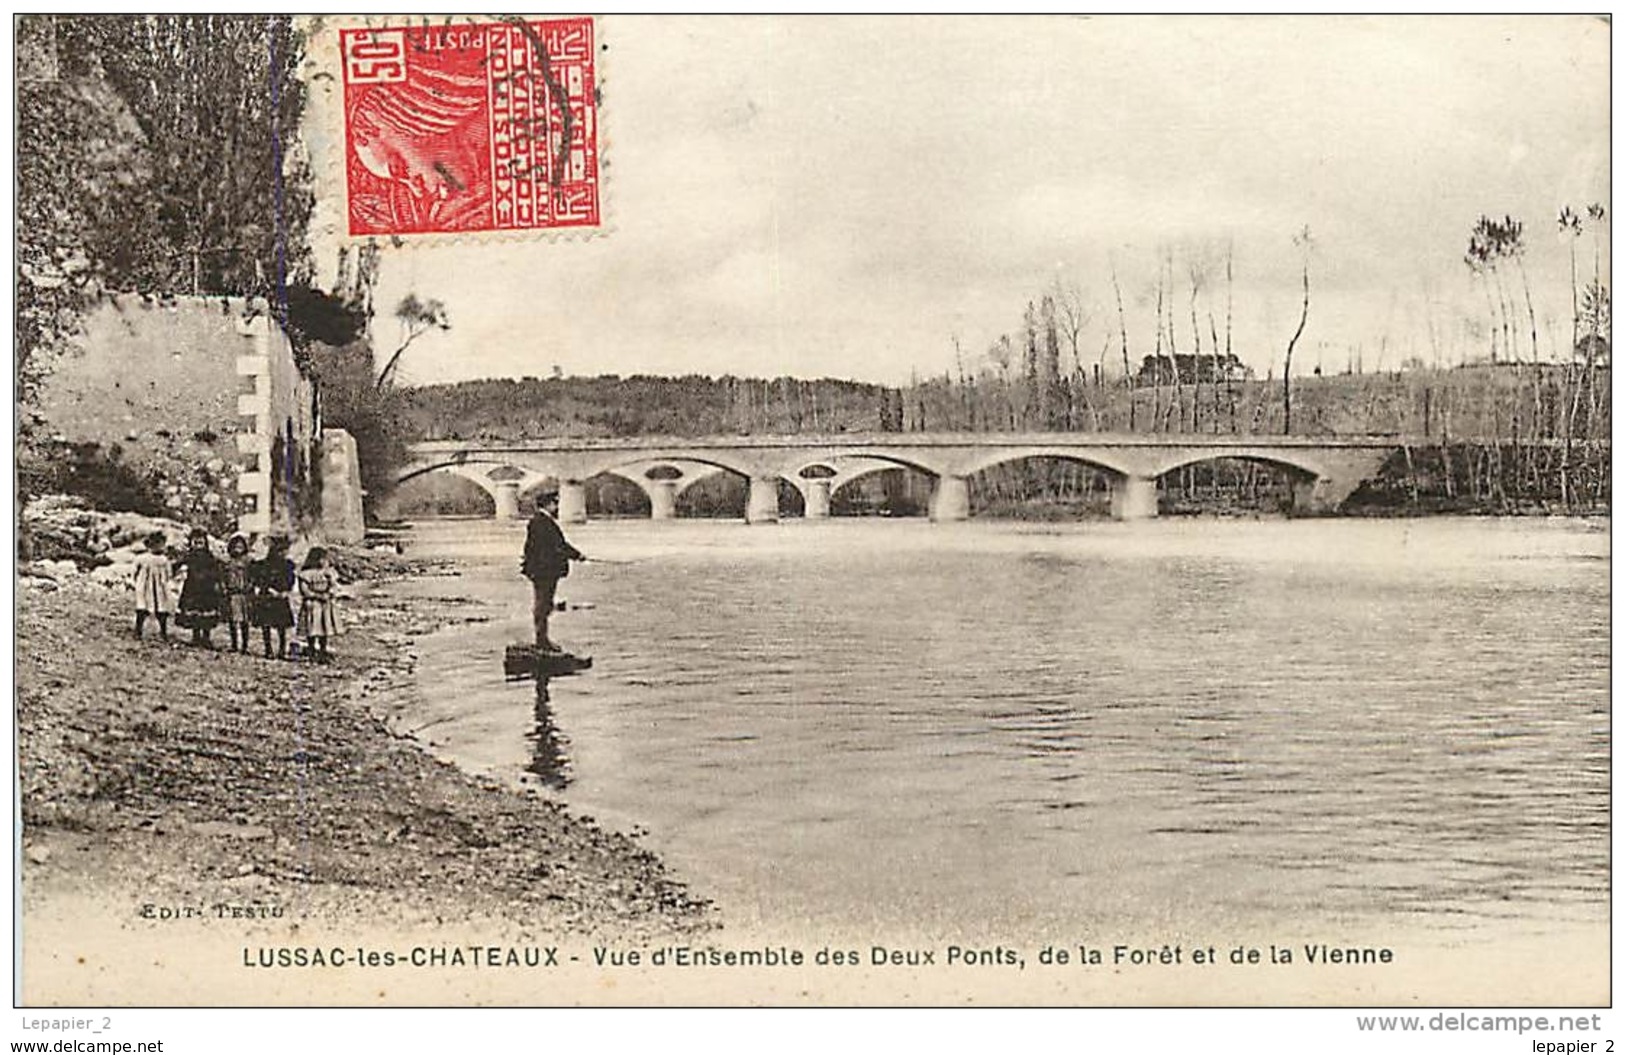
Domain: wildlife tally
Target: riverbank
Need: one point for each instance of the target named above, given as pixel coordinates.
(231, 792)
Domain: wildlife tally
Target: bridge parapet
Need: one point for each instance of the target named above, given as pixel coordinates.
(843, 440)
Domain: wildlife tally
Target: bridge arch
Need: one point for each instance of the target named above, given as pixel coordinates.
(629, 461)
(503, 490)
(1117, 467)
(612, 490)
(664, 480)
(841, 467)
(763, 474)
(1322, 476)
(853, 488)
(440, 493)
(806, 459)
(468, 468)
(682, 472)
(658, 490)
(1300, 463)
(853, 474)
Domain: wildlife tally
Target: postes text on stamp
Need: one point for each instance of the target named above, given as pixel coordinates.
(456, 128)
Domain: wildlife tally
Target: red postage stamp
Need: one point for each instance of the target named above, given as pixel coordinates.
(470, 127)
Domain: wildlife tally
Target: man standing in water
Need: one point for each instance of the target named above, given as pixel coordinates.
(547, 560)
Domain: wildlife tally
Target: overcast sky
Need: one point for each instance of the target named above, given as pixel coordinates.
(844, 197)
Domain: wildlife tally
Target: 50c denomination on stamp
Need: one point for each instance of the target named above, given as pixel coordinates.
(471, 127)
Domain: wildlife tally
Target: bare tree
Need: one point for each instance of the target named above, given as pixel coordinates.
(418, 317)
(967, 407)
(1001, 355)
(1055, 402)
(1305, 245)
(1156, 361)
(1034, 402)
(1229, 316)
(1570, 226)
(1590, 322)
(1176, 402)
(1122, 329)
(1492, 242)
(1514, 248)
(1197, 270)
(1073, 317)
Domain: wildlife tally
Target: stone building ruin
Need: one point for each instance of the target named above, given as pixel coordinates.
(203, 401)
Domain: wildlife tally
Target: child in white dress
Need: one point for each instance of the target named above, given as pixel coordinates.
(154, 593)
(317, 616)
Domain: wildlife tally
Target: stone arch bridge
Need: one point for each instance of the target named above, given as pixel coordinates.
(1326, 470)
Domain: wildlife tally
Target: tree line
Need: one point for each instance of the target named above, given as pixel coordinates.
(640, 405)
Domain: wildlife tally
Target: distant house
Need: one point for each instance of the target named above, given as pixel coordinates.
(1191, 369)
(1593, 348)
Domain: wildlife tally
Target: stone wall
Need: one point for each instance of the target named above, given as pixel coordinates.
(202, 399)
(341, 488)
(282, 486)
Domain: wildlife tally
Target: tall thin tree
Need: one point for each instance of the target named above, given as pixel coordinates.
(1305, 245)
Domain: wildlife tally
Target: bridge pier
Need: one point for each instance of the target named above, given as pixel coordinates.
(662, 499)
(1134, 497)
(817, 499)
(572, 502)
(762, 507)
(507, 500)
(950, 499)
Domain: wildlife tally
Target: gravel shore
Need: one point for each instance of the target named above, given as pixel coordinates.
(157, 774)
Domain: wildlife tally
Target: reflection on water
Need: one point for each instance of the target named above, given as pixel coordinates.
(1070, 729)
(549, 748)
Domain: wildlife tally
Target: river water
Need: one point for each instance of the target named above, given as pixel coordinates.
(1006, 731)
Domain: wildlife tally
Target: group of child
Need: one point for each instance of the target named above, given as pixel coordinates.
(240, 592)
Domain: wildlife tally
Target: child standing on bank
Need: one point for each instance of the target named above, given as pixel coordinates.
(317, 618)
(153, 593)
(201, 596)
(272, 579)
(237, 589)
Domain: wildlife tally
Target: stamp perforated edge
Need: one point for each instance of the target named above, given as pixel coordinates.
(322, 135)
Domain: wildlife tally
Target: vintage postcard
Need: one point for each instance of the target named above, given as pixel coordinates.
(923, 511)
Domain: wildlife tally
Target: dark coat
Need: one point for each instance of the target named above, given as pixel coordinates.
(271, 579)
(201, 592)
(547, 553)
